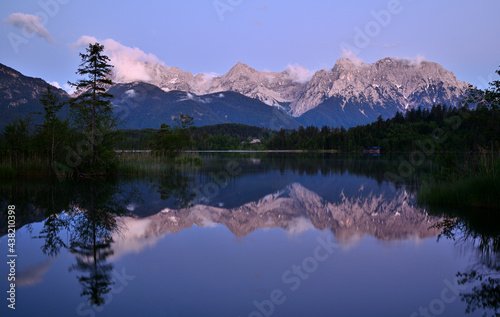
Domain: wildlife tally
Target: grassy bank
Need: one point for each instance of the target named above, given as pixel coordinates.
(147, 163)
(34, 166)
(475, 182)
(129, 163)
(476, 191)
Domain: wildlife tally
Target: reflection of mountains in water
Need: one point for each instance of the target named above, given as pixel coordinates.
(296, 209)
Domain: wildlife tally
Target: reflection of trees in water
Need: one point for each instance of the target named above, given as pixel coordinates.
(87, 211)
(483, 278)
(174, 184)
(93, 220)
(321, 163)
(82, 217)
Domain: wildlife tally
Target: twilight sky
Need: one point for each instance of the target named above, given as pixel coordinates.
(42, 38)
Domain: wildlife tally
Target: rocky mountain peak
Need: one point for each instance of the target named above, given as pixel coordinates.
(395, 81)
(344, 63)
(241, 68)
(369, 90)
(407, 83)
(242, 72)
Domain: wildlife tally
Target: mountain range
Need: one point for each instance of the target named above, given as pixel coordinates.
(350, 94)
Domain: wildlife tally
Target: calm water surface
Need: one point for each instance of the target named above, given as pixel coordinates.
(243, 235)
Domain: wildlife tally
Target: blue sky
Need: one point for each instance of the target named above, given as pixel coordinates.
(211, 36)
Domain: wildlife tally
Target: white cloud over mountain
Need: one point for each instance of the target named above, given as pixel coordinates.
(129, 63)
(299, 73)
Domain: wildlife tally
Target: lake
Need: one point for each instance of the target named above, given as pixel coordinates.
(245, 234)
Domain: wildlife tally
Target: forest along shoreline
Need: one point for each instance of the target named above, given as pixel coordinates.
(90, 144)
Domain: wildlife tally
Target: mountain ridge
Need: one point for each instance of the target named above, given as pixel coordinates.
(404, 81)
(20, 94)
(349, 94)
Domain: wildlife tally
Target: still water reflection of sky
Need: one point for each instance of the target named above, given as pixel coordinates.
(274, 240)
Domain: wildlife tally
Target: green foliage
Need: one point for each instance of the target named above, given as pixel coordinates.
(448, 129)
(148, 163)
(7, 171)
(230, 136)
(93, 112)
(18, 140)
(476, 191)
(136, 139)
(53, 134)
(171, 141)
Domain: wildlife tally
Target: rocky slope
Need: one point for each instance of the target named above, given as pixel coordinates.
(390, 81)
(143, 105)
(19, 96)
(272, 88)
(399, 82)
(349, 94)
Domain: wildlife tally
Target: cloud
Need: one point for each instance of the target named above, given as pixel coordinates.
(203, 82)
(33, 275)
(69, 89)
(350, 55)
(55, 84)
(299, 73)
(299, 226)
(130, 64)
(29, 24)
(189, 96)
(417, 60)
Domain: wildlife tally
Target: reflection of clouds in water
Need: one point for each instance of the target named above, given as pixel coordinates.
(203, 217)
(299, 225)
(33, 274)
(133, 238)
(352, 241)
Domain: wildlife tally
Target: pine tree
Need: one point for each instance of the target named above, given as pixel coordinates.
(92, 108)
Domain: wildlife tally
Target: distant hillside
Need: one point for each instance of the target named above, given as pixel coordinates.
(227, 133)
(143, 105)
(241, 131)
(19, 96)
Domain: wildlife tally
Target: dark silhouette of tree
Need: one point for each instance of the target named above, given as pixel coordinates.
(87, 212)
(170, 141)
(173, 184)
(94, 213)
(92, 108)
(483, 278)
(18, 139)
(53, 130)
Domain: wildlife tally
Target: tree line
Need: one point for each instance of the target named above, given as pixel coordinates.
(85, 143)
(452, 129)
